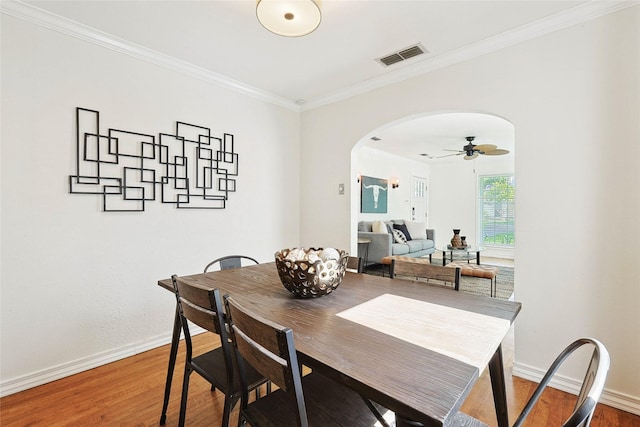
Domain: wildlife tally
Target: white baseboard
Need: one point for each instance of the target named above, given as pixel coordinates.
(44, 376)
(611, 398)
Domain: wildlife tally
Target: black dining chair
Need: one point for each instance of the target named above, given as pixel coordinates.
(422, 270)
(587, 398)
(203, 307)
(590, 391)
(300, 401)
(230, 261)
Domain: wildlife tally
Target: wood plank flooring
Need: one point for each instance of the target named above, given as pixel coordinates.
(129, 393)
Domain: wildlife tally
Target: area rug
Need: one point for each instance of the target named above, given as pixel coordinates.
(472, 285)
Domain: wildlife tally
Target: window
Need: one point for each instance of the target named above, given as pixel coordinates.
(496, 201)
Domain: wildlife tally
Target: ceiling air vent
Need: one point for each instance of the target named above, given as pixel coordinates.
(402, 55)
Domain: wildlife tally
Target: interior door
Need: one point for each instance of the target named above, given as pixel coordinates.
(419, 199)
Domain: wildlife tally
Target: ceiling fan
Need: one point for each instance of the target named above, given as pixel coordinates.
(472, 151)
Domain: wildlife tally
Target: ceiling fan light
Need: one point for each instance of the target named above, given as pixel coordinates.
(289, 18)
(471, 156)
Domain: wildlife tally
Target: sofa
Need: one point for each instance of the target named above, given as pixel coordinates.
(383, 242)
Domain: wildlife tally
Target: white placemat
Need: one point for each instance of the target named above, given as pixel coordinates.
(466, 336)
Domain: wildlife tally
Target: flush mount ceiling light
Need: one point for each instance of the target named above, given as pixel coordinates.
(289, 18)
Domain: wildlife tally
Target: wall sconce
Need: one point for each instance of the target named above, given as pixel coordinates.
(395, 183)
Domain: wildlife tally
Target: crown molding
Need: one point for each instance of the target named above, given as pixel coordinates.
(541, 27)
(72, 28)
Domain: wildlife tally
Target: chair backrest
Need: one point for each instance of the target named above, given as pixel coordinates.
(591, 389)
(202, 307)
(230, 261)
(355, 264)
(426, 271)
(269, 348)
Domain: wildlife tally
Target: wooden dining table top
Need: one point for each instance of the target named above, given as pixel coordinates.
(412, 347)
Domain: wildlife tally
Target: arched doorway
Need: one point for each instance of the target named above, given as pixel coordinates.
(429, 148)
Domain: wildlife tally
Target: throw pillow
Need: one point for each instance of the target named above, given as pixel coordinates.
(364, 226)
(389, 228)
(404, 230)
(418, 230)
(379, 227)
(398, 236)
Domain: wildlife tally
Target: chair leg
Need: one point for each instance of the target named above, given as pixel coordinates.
(267, 387)
(185, 393)
(407, 422)
(228, 404)
(177, 327)
(375, 412)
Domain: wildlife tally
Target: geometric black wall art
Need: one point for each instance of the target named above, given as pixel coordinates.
(189, 168)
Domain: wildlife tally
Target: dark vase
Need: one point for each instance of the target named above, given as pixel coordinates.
(464, 241)
(456, 241)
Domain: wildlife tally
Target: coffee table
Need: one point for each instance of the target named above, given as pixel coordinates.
(466, 253)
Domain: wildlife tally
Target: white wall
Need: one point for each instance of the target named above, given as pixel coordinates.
(453, 197)
(378, 164)
(79, 286)
(574, 99)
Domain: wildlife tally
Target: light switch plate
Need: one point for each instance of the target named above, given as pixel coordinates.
(340, 188)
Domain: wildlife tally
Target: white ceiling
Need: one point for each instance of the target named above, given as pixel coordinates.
(224, 40)
(440, 134)
(225, 37)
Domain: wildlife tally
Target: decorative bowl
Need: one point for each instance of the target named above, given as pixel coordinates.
(311, 273)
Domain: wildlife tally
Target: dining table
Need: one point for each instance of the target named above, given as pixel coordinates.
(412, 347)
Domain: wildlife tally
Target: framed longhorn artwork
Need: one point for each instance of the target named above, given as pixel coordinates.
(373, 195)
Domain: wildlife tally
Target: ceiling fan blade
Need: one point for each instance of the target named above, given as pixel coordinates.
(496, 152)
(485, 147)
(445, 149)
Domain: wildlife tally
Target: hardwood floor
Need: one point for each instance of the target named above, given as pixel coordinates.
(129, 393)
